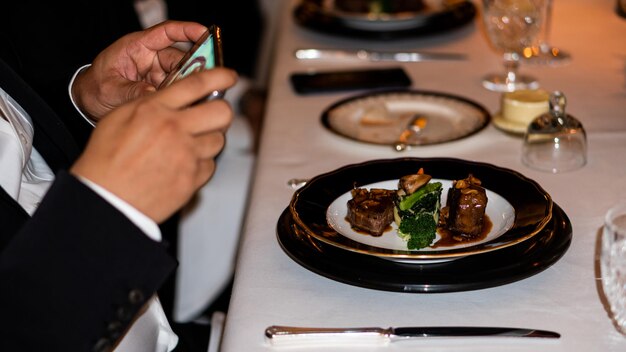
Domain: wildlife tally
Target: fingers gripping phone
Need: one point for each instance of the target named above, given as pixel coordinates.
(205, 54)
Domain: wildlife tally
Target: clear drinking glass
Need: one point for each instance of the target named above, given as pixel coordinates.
(511, 26)
(613, 263)
(555, 141)
(542, 52)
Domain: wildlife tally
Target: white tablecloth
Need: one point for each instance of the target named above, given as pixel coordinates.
(211, 225)
(270, 288)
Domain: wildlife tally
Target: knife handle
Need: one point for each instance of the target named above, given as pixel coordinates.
(290, 335)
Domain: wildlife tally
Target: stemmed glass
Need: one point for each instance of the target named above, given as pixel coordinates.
(512, 26)
(542, 52)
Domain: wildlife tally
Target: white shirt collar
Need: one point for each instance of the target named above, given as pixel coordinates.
(21, 123)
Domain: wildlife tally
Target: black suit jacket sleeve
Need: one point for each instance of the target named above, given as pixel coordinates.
(76, 274)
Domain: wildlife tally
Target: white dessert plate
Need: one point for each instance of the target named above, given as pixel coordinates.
(381, 117)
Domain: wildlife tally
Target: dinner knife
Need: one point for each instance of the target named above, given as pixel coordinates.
(398, 56)
(291, 335)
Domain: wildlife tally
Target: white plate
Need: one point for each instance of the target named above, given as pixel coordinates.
(386, 21)
(380, 118)
(499, 210)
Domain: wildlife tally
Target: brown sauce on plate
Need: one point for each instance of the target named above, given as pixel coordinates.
(448, 238)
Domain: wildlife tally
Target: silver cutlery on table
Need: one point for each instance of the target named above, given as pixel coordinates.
(296, 183)
(369, 55)
(291, 335)
(413, 129)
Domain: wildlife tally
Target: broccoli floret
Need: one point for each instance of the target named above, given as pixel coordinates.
(409, 202)
(428, 203)
(419, 230)
(417, 215)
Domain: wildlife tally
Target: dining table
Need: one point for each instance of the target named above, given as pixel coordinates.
(279, 281)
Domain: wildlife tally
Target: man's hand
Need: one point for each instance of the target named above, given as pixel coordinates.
(156, 151)
(132, 66)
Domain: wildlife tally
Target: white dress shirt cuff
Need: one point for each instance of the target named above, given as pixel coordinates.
(72, 97)
(147, 225)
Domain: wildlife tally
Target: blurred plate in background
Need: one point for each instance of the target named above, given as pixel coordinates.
(435, 16)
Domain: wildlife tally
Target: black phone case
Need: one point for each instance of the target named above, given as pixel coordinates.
(335, 81)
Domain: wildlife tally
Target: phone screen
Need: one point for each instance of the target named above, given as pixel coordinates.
(205, 54)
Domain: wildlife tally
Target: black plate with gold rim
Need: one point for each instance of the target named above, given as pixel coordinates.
(309, 205)
(482, 271)
(314, 15)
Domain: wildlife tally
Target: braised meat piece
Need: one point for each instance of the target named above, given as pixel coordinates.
(465, 208)
(371, 211)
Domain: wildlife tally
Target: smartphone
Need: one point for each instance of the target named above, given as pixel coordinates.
(334, 81)
(205, 54)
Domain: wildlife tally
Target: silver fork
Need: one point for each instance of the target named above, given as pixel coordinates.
(413, 128)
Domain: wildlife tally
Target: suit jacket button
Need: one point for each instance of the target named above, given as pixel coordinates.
(136, 296)
(114, 326)
(124, 314)
(102, 345)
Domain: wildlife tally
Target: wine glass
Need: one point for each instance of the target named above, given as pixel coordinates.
(511, 26)
(542, 52)
(555, 141)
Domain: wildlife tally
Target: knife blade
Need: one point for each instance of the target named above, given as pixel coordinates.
(290, 335)
(367, 55)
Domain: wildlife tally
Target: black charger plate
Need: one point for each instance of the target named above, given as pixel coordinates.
(470, 273)
(309, 14)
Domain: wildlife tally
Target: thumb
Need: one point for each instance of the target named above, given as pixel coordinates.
(139, 89)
